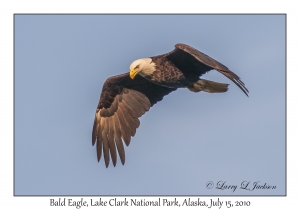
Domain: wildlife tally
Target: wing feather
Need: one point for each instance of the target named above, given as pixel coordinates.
(105, 142)
(140, 99)
(143, 104)
(118, 139)
(111, 140)
(124, 126)
(95, 130)
(129, 121)
(99, 140)
(134, 118)
(139, 110)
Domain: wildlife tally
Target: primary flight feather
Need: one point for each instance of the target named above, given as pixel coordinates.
(126, 97)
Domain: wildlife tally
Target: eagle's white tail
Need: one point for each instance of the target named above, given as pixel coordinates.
(208, 86)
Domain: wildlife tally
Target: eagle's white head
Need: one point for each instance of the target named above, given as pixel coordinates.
(143, 66)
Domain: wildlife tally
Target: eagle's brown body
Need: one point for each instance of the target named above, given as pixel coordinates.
(123, 100)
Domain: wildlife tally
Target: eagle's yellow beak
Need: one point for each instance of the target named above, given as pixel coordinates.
(133, 72)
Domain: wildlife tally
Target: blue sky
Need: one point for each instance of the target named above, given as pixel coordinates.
(184, 141)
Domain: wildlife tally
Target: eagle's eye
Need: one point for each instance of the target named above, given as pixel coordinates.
(137, 67)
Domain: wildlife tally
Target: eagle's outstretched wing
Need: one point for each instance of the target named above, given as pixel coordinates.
(121, 103)
(195, 63)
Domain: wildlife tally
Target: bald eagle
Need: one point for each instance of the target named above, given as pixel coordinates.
(126, 97)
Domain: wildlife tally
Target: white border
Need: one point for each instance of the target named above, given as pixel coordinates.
(8, 8)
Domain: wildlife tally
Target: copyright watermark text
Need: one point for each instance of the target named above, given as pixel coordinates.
(244, 185)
